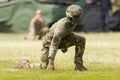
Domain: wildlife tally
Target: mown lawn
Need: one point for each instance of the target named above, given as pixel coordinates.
(102, 58)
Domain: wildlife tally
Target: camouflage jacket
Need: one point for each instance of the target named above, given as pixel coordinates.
(56, 33)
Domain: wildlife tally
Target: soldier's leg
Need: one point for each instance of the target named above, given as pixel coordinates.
(79, 51)
(22, 64)
(25, 64)
(79, 43)
(44, 57)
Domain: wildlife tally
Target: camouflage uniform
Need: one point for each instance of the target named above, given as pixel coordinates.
(23, 64)
(37, 27)
(60, 36)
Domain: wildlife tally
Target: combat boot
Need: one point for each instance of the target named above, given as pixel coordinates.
(50, 66)
(80, 67)
(23, 64)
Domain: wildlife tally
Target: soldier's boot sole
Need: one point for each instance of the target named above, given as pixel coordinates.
(80, 67)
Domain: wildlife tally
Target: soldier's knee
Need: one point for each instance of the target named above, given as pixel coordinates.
(81, 39)
(44, 58)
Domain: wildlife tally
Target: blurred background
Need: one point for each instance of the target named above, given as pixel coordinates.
(15, 15)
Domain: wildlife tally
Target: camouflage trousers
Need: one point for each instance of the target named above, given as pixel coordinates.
(68, 41)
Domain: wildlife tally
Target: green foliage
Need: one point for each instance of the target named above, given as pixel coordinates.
(101, 58)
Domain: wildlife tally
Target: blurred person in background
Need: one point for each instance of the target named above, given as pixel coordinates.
(106, 7)
(106, 11)
(37, 27)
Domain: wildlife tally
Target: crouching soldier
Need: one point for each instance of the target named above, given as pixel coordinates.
(37, 27)
(60, 36)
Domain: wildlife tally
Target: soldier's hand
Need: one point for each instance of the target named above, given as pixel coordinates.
(64, 50)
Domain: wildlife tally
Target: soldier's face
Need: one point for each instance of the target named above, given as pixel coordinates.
(73, 19)
(72, 16)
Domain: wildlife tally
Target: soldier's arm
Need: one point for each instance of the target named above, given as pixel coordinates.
(54, 45)
(32, 26)
(31, 33)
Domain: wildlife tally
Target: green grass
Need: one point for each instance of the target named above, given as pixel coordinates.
(102, 58)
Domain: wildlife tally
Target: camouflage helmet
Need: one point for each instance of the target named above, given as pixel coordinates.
(74, 11)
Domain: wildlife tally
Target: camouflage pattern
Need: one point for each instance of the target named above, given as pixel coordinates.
(25, 63)
(60, 36)
(69, 41)
(37, 26)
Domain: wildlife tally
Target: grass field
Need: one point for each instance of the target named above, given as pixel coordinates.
(102, 58)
